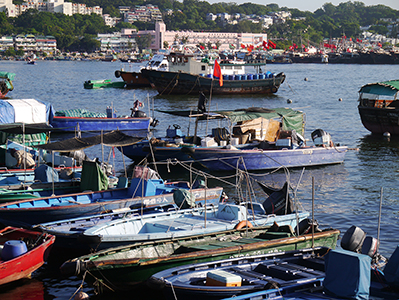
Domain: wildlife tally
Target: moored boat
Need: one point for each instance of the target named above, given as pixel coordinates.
(105, 83)
(82, 120)
(22, 252)
(123, 268)
(379, 107)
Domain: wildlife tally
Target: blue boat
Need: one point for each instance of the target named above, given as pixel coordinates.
(262, 139)
(140, 193)
(82, 120)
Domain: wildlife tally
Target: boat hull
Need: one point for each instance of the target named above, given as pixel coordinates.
(42, 210)
(180, 83)
(23, 265)
(218, 159)
(133, 79)
(380, 120)
(72, 124)
(127, 273)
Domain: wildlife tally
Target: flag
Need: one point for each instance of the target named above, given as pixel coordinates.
(271, 44)
(217, 73)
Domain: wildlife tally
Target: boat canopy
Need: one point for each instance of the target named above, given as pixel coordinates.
(386, 88)
(114, 138)
(290, 119)
(28, 111)
(7, 75)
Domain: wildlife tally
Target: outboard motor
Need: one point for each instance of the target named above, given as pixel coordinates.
(353, 239)
(321, 138)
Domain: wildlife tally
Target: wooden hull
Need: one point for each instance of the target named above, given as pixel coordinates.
(125, 267)
(180, 83)
(72, 124)
(23, 265)
(380, 120)
(42, 210)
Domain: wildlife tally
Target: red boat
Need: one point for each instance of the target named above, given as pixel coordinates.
(22, 252)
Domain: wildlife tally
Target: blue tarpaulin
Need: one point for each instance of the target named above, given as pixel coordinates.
(391, 269)
(25, 110)
(348, 274)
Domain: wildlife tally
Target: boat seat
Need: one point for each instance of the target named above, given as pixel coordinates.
(253, 277)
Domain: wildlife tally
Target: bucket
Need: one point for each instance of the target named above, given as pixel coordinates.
(255, 76)
(237, 77)
(109, 112)
(225, 77)
(250, 76)
(261, 76)
(231, 77)
(223, 143)
(13, 249)
(209, 75)
(244, 77)
(268, 74)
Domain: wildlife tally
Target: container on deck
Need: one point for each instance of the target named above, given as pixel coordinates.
(222, 278)
(13, 249)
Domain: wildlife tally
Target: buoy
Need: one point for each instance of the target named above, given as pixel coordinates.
(306, 79)
(289, 101)
(81, 296)
(243, 224)
(340, 99)
(387, 134)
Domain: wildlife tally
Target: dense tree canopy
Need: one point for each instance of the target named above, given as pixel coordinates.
(78, 31)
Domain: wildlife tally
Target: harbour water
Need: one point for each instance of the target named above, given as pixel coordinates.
(346, 194)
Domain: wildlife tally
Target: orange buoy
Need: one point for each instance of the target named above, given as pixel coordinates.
(243, 224)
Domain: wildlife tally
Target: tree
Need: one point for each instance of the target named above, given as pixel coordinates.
(165, 45)
(143, 41)
(10, 52)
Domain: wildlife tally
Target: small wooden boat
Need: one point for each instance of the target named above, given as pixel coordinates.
(378, 107)
(140, 193)
(22, 252)
(241, 275)
(105, 83)
(123, 268)
(85, 121)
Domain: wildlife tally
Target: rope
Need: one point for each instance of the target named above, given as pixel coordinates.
(195, 83)
(168, 84)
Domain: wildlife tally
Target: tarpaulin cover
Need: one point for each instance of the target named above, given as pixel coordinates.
(25, 111)
(391, 269)
(386, 88)
(184, 198)
(93, 178)
(291, 119)
(45, 173)
(114, 138)
(21, 128)
(348, 274)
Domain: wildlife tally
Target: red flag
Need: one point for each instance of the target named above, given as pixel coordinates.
(273, 45)
(294, 45)
(217, 73)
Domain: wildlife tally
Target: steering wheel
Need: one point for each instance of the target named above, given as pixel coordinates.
(176, 126)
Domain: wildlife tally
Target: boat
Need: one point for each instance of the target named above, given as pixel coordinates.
(74, 120)
(6, 85)
(173, 224)
(22, 252)
(365, 277)
(182, 83)
(262, 139)
(105, 83)
(134, 79)
(241, 275)
(126, 267)
(378, 107)
(142, 192)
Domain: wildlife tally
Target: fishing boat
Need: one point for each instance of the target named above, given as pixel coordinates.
(378, 107)
(365, 277)
(241, 275)
(262, 139)
(182, 83)
(140, 193)
(82, 120)
(22, 252)
(134, 79)
(6, 85)
(123, 268)
(105, 83)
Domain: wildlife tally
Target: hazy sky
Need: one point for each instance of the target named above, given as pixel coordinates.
(311, 5)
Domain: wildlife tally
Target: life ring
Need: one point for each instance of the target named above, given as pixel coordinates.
(243, 224)
(117, 73)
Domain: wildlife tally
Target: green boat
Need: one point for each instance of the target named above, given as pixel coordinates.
(124, 268)
(6, 85)
(105, 83)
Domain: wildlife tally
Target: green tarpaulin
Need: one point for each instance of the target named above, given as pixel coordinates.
(386, 88)
(93, 178)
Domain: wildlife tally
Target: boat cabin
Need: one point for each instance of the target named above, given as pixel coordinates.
(380, 95)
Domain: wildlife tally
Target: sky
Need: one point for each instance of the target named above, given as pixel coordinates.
(311, 5)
